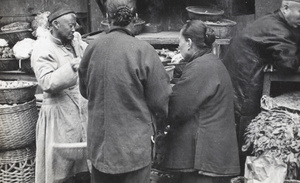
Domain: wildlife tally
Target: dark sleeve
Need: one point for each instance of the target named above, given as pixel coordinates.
(83, 71)
(157, 88)
(196, 86)
(284, 49)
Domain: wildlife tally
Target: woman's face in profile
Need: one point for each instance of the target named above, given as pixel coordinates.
(183, 46)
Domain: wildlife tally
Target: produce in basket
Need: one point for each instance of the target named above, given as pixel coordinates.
(276, 132)
(17, 92)
(16, 26)
(166, 54)
(14, 84)
(6, 52)
(3, 42)
(22, 49)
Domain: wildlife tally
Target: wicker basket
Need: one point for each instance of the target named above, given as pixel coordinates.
(18, 95)
(17, 165)
(223, 28)
(204, 13)
(17, 125)
(8, 64)
(243, 180)
(12, 37)
(12, 64)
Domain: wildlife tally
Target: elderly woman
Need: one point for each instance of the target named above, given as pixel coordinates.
(127, 89)
(202, 140)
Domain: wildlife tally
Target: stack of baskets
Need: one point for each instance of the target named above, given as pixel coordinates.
(213, 18)
(18, 117)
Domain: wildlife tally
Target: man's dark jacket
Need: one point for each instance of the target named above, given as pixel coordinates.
(127, 89)
(268, 40)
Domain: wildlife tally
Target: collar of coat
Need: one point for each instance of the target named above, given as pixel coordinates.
(280, 15)
(199, 54)
(58, 41)
(121, 29)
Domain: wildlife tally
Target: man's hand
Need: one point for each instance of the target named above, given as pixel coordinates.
(75, 63)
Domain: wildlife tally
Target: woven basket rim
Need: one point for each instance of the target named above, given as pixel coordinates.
(225, 23)
(15, 31)
(18, 107)
(26, 153)
(193, 9)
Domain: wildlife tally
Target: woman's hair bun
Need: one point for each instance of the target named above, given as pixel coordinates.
(120, 12)
(209, 36)
(123, 16)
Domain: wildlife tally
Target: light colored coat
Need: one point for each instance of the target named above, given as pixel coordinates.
(63, 112)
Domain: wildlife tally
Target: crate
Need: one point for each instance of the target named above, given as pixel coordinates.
(9, 64)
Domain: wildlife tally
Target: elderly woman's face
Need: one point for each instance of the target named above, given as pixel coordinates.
(292, 14)
(66, 26)
(183, 46)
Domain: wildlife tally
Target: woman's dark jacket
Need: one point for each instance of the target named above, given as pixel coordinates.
(201, 116)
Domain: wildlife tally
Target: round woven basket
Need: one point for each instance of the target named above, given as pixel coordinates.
(17, 165)
(17, 125)
(223, 28)
(18, 95)
(17, 35)
(204, 13)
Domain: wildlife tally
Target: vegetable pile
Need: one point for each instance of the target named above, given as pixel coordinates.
(6, 52)
(276, 132)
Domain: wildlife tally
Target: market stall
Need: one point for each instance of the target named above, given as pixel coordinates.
(158, 24)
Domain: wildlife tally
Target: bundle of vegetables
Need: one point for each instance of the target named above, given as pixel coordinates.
(6, 52)
(277, 133)
(16, 26)
(166, 53)
(22, 49)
